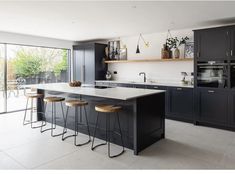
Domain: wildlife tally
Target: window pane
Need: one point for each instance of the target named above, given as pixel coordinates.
(33, 65)
(2, 69)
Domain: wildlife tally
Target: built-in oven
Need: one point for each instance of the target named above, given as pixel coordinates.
(213, 74)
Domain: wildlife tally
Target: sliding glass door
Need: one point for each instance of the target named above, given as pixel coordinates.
(22, 65)
(2, 78)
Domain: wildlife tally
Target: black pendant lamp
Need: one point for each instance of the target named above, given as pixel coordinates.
(137, 49)
(138, 46)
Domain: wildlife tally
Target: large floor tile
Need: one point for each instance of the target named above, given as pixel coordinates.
(85, 159)
(40, 152)
(8, 163)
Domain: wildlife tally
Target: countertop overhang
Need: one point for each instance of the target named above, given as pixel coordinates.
(120, 93)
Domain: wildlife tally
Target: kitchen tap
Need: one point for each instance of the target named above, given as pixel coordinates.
(144, 75)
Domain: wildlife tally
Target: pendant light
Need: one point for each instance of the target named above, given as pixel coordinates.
(138, 46)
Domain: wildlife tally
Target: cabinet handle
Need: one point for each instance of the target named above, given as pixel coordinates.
(155, 87)
(231, 52)
(227, 53)
(198, 54)
(211, 91)
(179, 89)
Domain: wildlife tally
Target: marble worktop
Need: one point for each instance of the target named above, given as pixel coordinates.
(120, 93)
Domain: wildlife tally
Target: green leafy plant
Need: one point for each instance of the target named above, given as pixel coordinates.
(175, 42)
(26, 65)
(62, 65)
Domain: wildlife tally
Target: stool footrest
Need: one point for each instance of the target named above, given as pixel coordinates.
(101, 144)
(47, 129)
(112, 156)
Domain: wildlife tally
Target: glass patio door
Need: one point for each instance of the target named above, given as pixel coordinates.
(3, 101)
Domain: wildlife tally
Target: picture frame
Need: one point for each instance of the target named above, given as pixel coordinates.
(189, 50)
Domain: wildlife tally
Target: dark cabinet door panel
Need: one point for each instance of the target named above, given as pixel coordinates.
(232, 43)
(180, 103)
(232, 109)
(213, 106)
(78, 63)
(89, 65)
(213, 44)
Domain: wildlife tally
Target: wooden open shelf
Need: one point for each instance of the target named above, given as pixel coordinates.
(149, 60)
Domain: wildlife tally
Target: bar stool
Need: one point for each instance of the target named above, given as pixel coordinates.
(53, 100)
(108, 109)
(31, 96)
(81, 104)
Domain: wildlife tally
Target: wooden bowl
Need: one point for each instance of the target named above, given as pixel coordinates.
(75, 84)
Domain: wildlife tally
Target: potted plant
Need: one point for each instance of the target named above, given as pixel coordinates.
(175, 43)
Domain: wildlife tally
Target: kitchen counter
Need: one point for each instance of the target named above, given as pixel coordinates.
(119, 93)
(148, 83)
(142, 117)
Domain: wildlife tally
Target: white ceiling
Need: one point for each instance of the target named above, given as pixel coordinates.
(79, 21)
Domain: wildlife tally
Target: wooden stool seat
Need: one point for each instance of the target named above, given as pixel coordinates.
(107, 108)
(74, 103)
(54, 99)
(34, 95)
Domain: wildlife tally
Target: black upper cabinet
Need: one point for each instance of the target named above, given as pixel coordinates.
(212, 44)
(88, 62)
(212, 106)
(232, 42)
(180, 103)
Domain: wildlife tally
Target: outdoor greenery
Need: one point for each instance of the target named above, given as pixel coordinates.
(62, 65)
(31, 62)
(26, 64)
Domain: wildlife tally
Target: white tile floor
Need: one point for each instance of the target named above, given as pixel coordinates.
(186, 147)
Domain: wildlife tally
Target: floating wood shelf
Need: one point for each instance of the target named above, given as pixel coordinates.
(148, 60)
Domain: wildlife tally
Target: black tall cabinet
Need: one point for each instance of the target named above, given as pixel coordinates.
(215, 106)
(89, 62)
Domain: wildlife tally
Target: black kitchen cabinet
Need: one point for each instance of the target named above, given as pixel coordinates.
(166, 96)
(232, 42)
(232, 108)
(212, 44)
(180, 103)
(88, 62)
(212, 106)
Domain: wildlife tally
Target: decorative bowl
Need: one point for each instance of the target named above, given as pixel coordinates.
(75, 84)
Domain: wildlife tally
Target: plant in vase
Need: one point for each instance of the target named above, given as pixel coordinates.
(175, 43)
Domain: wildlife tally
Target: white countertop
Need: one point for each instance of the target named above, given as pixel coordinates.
(148, 83)
(119, 93)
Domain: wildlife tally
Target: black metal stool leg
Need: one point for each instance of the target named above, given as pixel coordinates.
(92, 146)
(88, 130)
(25, 113)
(44, 120)
(65, 124)
(120, 131)
(54, 120)
(31, 116)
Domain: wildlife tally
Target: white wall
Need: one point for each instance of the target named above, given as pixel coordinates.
(158, 71)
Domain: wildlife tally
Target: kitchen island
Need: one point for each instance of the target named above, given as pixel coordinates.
(142, 117)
